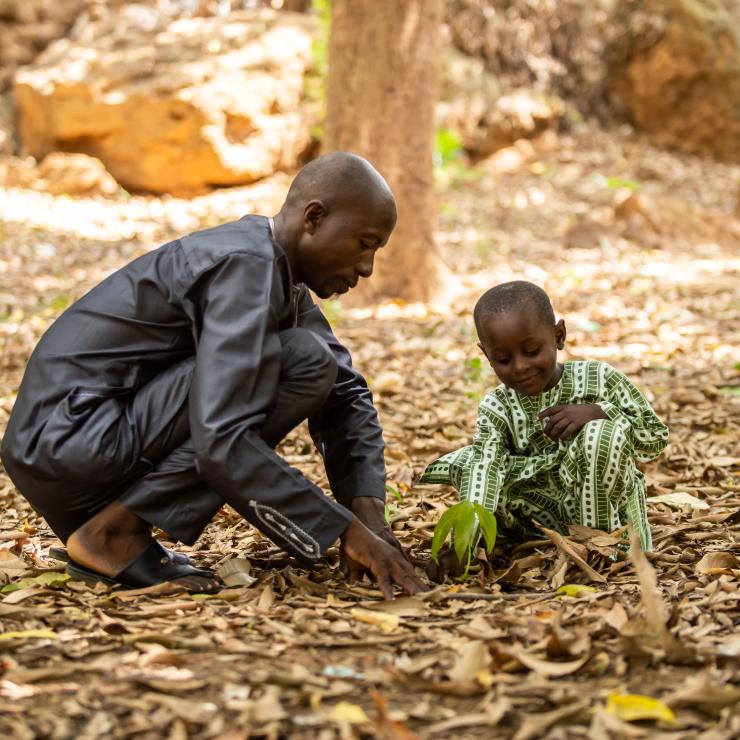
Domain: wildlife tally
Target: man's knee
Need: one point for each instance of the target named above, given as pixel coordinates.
(308, 360)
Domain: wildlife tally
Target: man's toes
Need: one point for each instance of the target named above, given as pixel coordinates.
(199, 584)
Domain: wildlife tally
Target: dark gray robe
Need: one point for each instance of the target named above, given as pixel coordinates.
(177, 357)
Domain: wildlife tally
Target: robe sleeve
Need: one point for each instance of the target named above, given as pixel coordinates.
(625, 402)
(478, 470)
(346, 430)
(234, 386)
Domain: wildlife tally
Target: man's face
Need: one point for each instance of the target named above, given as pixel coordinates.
(522, 348)
(337, 248)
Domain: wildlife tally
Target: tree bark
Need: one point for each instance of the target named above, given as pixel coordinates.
(383, 76)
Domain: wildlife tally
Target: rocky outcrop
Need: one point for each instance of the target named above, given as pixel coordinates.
(553, 46)
(60, 174)
(677, 73)
(28, 26)
(174, 107)
(485, 119)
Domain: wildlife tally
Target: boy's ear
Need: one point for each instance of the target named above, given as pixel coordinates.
(560, 334)
(483, 350)
(313, 214)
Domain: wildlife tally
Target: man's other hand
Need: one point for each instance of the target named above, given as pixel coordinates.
(363, 550)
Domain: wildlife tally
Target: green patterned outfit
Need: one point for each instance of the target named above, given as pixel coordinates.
(519, 474)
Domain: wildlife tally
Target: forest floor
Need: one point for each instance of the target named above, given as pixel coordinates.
(638, 249)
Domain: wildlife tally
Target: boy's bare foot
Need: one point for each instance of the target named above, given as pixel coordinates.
(114, 538)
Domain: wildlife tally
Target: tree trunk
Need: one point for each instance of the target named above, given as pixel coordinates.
(383, 74)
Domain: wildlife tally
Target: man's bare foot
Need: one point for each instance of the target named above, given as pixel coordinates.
(113, 539)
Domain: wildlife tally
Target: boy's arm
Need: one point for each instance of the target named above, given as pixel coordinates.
(625, 401)
(478, 470)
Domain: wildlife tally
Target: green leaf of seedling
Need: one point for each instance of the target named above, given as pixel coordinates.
(394, 491)
(465, 530)
(444, 525)
(488, 526)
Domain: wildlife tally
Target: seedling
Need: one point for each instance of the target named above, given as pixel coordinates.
(467, 522)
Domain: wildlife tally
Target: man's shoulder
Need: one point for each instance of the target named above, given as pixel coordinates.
(249, 235)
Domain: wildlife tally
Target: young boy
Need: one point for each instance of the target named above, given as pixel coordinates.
(555, 442)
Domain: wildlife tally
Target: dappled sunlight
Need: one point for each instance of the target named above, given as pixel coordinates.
(139, 217)
(667, 316)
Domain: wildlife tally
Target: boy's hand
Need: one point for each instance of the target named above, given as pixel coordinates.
(448, 565)
(564, 422)
(371, 512)
(361, 550)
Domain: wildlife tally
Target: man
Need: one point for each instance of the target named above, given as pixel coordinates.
(160, 395)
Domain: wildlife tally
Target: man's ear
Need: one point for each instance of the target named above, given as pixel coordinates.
(560, 334)
(313, 214)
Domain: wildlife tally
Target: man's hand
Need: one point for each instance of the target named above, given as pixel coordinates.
(371, 512)
(361, 549)
(564, 422)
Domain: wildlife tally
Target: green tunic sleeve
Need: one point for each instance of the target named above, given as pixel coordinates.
(625, 401)
(478, 470)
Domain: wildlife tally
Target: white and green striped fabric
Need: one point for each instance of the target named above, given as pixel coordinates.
(519, 474)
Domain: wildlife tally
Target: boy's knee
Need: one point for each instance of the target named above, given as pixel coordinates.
(599, 434)
(308, 358)
(604, 429)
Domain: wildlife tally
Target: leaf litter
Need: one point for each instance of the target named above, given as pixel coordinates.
(560, 636)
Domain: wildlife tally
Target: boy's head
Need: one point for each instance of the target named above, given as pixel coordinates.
(338, 212)
(519, 335)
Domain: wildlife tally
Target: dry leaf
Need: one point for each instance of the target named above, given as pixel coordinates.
(472, 657)
(715, 563)
(549, 667)
(351, 714)
(567, 547)
(236, 572)
(29, 634)
(679, 499)
(386, 622)
(631, 707)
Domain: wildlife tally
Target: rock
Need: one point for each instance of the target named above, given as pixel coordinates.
(658, 220)
(677, 73)
(174, 106)
(28, 26)
(467, 92)
(473, 106)
(522, 114)
(585, 233)
(554, 46)
(62, 174)
(7, 142)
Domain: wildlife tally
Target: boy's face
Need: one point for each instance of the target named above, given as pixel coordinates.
(337, 248)
(522, 348)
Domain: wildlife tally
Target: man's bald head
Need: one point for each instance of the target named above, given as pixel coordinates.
(340, 180)
(338, 213)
